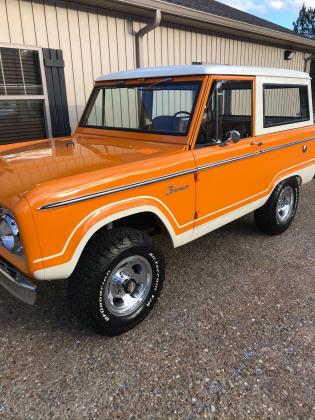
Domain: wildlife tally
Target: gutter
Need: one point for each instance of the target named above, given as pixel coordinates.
(174, 13)
(192, 19)
(140, 34)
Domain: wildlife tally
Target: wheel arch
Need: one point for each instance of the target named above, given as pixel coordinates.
(301, 177)
(294, 178)
(106, 222)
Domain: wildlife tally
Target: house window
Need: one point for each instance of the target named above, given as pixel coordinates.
(285, 104)
(22, 101)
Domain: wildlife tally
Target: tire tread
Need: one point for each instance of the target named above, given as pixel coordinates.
(100, 252)
(265, 217)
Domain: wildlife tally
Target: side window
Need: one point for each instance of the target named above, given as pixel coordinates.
(229, 108)
(285, 104)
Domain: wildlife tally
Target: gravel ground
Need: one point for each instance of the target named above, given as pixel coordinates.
(232, 336)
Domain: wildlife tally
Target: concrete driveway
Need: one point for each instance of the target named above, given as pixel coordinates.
(232, 336)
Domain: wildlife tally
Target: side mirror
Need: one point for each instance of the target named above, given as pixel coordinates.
(233, 136)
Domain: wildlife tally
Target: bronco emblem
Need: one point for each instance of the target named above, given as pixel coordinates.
(172, 189)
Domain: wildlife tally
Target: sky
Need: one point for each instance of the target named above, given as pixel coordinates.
(282, 12)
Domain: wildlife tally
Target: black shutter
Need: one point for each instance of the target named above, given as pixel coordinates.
(57, 95)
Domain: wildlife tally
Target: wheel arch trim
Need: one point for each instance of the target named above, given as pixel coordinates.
(62, 271)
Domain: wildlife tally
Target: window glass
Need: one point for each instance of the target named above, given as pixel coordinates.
(21, 120)
(163, 107)
(285, 105)
(20, 72)
(22, 117)
(31, 72)
(2, 90)
(229, 108)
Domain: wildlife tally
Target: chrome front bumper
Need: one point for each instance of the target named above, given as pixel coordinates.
(17, 284)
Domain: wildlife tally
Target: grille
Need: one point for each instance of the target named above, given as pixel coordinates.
(9, 269)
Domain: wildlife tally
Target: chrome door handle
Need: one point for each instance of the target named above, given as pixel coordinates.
(257, 143)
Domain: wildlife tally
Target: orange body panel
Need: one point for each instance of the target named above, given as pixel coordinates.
(35, 174)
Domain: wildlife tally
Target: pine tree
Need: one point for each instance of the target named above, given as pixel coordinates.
(305, 24)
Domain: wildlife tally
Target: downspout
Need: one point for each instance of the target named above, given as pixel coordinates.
(308, 63)
(140, 34)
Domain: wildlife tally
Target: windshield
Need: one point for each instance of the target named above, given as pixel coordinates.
(164, 107)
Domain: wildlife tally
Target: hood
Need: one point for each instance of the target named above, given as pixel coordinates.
(29, 165)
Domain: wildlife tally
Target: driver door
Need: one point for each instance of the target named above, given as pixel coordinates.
(228, 181)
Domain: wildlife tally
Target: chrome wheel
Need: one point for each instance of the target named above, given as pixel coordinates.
(285, 205)
(128, 286)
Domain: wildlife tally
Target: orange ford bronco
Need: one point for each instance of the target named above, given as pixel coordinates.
(181, 150)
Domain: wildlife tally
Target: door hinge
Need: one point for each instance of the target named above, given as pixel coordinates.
(196, 175)
(196, 215)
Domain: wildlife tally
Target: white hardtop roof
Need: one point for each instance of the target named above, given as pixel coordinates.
(200, 69)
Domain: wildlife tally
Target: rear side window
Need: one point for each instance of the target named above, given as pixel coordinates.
(285, 104)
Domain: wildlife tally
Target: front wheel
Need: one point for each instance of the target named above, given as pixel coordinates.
(117, 281)
(276, 216)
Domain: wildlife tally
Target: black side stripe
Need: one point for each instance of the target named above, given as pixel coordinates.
(170, 176)
(116, 190)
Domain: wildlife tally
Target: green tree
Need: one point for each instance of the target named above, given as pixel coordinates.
(305, 24)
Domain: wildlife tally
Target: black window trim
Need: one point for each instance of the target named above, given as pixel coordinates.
(135, 130)
(286, 85)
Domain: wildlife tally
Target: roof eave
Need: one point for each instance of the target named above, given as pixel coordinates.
(177, 14)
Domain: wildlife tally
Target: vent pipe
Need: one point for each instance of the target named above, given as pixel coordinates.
(140, 34)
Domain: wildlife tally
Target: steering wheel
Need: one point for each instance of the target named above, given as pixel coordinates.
(188, 114)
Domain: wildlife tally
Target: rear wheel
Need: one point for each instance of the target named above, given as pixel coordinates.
(276, 216)
(118, 280)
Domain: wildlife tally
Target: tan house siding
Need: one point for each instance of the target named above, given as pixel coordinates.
(94, 43)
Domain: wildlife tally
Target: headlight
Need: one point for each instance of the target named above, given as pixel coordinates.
(9, 233)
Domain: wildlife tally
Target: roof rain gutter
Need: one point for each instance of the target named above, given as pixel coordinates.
(140, 34)
(192, 19)
(196, 19)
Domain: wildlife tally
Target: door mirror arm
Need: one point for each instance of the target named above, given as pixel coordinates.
(233, 136)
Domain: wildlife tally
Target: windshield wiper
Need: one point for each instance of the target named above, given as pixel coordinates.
(168, 79)
(117, 85)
